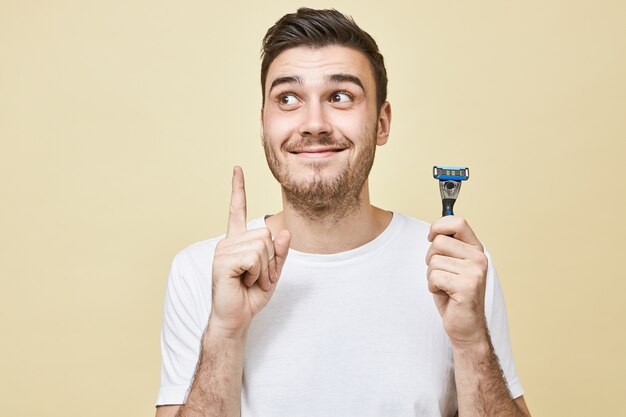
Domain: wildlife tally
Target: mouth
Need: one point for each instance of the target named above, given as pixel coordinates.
(321, 152)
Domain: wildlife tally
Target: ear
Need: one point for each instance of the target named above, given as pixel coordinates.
(384, 124)
(261, 125)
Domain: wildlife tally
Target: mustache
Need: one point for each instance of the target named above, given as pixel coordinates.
(308, 142)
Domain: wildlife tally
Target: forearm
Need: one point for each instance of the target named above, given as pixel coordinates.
(216, 388)
(480, 383)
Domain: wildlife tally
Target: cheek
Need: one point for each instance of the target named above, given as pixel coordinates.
(279, 127)
(351, 126)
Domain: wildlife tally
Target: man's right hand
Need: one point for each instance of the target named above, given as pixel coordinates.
(246, 267)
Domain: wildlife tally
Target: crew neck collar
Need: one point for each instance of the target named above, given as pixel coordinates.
(358, 252)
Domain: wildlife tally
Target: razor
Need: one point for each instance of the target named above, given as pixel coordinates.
(450, 179)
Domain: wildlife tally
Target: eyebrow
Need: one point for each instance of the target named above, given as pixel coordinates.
(337, 78)
(347, 77)
(289, 79)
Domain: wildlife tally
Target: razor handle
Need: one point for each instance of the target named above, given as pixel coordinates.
(448, 206)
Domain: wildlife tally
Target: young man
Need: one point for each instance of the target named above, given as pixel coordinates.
(326, 308)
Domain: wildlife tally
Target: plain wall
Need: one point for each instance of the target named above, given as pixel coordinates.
(120, 122)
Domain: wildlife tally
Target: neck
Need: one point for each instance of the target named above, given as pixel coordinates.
(337, 231)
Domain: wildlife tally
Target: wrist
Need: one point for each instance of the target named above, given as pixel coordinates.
(472, 335)
(479, 347)
(216, 330)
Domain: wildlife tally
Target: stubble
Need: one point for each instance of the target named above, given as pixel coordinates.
(318, 196)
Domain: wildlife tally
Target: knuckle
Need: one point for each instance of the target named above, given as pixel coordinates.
(435, 275)
(459, 222)
(436, 260)
(258, 259)
(265, 233)
(438, 241)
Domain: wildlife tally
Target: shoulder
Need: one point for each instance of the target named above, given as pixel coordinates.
(190, 272)
(407, 232)
(411, 225)
(196, 255)
(412, 221)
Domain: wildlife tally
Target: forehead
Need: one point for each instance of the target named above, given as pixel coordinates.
(316, 64)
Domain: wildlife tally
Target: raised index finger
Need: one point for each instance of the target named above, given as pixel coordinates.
(237, 212)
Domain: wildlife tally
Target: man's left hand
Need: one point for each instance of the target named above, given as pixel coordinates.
(457, 271)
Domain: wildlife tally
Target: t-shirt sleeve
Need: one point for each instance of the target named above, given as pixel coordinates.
(180, 333)
(495, 312)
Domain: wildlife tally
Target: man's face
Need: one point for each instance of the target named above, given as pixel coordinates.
(320, 124)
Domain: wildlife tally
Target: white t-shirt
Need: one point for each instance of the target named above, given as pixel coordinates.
(355, 333)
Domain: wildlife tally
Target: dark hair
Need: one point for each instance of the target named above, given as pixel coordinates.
(318, 28)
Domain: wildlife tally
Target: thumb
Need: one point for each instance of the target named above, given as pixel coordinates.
(281, 249)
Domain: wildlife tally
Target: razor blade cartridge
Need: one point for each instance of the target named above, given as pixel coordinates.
(451, 173)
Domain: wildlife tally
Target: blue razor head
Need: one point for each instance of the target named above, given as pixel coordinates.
(450, 173)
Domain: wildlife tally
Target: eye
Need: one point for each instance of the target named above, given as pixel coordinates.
(341, 97)
(287, 99)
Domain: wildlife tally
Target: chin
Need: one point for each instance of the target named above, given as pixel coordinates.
(314, 175)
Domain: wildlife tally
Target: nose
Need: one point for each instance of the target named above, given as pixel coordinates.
(315, 121)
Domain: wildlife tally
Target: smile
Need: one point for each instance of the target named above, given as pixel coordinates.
(317, 152)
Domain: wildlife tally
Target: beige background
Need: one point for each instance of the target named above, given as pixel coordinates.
(120, 122)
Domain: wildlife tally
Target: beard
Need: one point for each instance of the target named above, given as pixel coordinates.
(318, 196)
